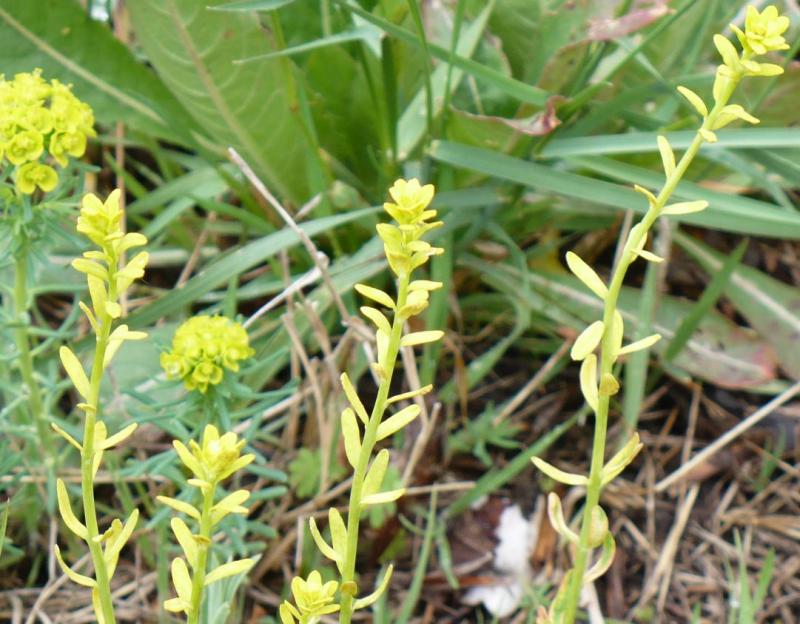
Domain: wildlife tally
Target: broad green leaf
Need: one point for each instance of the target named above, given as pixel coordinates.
(484, 73)
(244, 106)
(770, 306)
(60, 38)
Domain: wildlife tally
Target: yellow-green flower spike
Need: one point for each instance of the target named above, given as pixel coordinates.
(212, 461)
(107, 277)
(203, 348)
(405, 252)
(763, 33)
(41, 121)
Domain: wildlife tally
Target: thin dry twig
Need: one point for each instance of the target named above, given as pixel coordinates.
(319, 258)
(728, 437)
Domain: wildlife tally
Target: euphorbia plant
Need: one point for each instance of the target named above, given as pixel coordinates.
(405, 252)
(762, 34)
(42, 127)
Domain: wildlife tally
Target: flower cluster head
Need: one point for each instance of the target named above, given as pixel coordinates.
(215, 458)
(313, 599)
(763, 32)
(404, 248)
(41, 119)
(203, 347)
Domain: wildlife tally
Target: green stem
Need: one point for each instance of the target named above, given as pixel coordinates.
(87, 469)
(25, 359)
(348, 585)
(608, 357)
(199, 578)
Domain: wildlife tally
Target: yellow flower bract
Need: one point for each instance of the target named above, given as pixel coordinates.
(40, 117)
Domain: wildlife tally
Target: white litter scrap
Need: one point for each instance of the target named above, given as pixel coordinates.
(516, 538)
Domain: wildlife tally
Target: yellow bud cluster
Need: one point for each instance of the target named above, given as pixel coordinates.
(202, 348)
(404, 248)
(40, 118)
(101, 222)
(212, 461)
(312, 598)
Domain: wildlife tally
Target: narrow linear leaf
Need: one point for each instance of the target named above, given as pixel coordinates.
(588, 379)
(682, 208)
(422, 337)
(242, 566)
(323, 546)
(695, 100)
(644, 343)
(382, 497)
(588, 340)
(75, 371)
(667, 155)
(352, 436)
(555, 513)
(352, 397)
(64, 506)
(394, 423)
(376, 295)
(567, 478)
(586, 274)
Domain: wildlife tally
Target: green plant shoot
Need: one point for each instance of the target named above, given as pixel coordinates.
(108, 277)
(763, 33)
(405, 252)
(211, 462)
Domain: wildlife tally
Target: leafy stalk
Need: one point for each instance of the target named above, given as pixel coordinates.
(107, 278)
(378, 410)
(25, 361)
(405, 252)
(762, 34)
